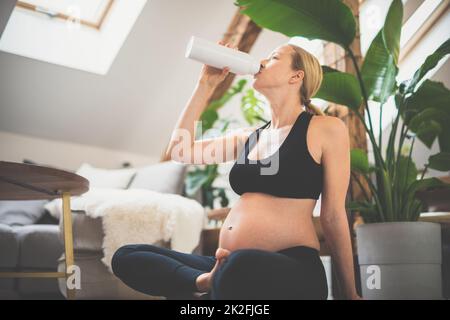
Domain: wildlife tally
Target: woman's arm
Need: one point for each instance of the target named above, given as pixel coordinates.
(333, 216)
(183, 136)
(183, 146)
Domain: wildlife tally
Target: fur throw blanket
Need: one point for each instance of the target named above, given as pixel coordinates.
(131, 216)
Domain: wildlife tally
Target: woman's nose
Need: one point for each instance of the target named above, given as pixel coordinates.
(262, 65)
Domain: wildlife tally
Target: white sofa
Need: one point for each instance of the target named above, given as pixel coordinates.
(97, 282)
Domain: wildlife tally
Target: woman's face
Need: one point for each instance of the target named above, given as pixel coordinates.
(276, 71)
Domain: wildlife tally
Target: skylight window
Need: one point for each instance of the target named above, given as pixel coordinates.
(80, 34)
(86, 12)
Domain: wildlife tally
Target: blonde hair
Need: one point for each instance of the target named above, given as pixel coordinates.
(303, 60)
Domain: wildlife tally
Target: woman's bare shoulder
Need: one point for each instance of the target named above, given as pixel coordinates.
(328, 124)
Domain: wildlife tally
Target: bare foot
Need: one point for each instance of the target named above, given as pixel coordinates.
(203, 281)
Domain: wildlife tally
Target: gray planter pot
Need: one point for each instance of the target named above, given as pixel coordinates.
(400, 260)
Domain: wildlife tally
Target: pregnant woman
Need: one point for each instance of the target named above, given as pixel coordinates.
(268, 247)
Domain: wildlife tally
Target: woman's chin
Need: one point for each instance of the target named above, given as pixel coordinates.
(256, 84)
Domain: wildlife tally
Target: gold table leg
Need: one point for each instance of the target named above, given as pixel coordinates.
(68, 250)
(68, 241)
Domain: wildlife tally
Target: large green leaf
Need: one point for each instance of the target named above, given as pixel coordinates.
(444, 139)
(424, 184)
(431, 95)
(200, 178)
(379, 68)
(420, 185)
(426, 115)
(440, 161)
(194, 180)
(392, 28)
(207, 118)
(379, 71)
(340, 87)
(406, 174)
(359, 161)
(329, 20)
(409, 201)
(251, 107)
(430, 62)
(210, 115)
(428, 131)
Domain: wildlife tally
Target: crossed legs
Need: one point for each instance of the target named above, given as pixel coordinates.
(245, 274)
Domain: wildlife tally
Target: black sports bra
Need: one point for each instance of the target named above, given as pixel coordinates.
(290, 172)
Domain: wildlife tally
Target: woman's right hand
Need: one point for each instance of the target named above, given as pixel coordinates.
(212, 76)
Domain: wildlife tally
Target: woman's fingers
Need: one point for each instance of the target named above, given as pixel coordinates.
(227, 44)
(222, 253)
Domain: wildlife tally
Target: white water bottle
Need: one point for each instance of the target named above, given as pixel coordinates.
(219, 56)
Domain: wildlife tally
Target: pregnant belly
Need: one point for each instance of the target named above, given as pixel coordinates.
(261, 221)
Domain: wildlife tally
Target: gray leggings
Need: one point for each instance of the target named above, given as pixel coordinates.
(289, 274)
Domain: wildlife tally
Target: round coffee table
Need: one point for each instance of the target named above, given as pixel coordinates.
(20, 181)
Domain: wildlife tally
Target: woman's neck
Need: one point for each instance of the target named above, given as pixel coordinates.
(286, 116)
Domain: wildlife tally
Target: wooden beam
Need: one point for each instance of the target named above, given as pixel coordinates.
(241, 32)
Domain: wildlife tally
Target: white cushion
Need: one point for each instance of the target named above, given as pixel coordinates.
(106, 178)
(165, 177)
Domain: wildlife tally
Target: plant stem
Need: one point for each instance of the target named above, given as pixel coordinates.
(378, 158)
(381, 128)
(403, 134)
(361, 84)
(405, 185)
(424, 170)
(390, 150)
(402, 138)
(360, 185)
(375, 196)
(417, 211)
(377, 153)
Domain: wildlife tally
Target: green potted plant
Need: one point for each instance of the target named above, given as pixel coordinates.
(399, 257)
(201, 178)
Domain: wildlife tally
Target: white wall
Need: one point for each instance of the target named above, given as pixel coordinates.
(133, 108)
(64, 155)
